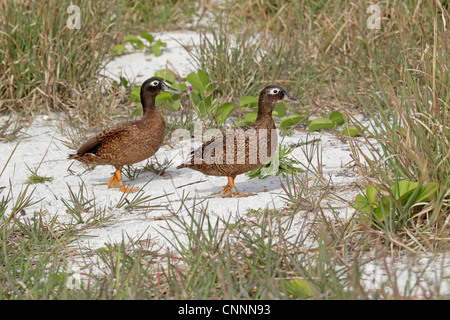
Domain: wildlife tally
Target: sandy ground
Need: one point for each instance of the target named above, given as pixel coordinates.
(177, 191)
(139, 66)
(42, 147)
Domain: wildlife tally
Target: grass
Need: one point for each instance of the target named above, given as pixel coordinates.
(35, 178)
(414, 140)
(321, 52)
(10, 130)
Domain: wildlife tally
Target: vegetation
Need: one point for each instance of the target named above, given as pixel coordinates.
(321, 52)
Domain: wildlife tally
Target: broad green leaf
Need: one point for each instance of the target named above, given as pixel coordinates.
(248, 101)
(350, 131)
(337, 117)
(148, 37)
(176, 105)
(372, 194)
(427, 193)
(250, 117)
(321, 123)
(135, 41)
(379, 212)
(135, 94)
(291, 120)
(161, 44)
(299, 288)
(156, 49)
(205, 81)
(179, 86)
(195, 97)
(403, 189)
(166, 75)
(204, 106)
(131, 38)
(361, 203)
(164, 96)
(279, 164)
(280, 109)
(118, 49)
(224, 111)
(196, 83)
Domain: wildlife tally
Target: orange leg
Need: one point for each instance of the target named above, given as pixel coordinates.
(116, 182)
(227, 190)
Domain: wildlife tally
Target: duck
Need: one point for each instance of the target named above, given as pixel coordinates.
(128, 142)
(243, 148)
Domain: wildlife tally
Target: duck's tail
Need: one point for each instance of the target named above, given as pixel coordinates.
(184, 165)
(85, 158)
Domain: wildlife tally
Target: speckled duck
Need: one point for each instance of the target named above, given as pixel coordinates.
(268, 98)
(129, 142)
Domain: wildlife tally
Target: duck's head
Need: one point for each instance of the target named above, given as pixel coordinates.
(155, 86)
(270, 96)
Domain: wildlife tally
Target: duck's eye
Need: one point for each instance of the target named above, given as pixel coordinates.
(274, 91)
(154, 83)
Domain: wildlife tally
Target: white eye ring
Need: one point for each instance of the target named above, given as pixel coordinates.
(274, 91)
(154, 83)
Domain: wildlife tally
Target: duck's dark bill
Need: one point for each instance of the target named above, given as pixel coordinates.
(170, 89)
(288, 98)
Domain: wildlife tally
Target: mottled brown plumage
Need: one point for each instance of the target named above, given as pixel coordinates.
(130, 142)
(249, 147)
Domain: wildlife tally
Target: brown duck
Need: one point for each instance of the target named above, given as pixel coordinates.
(129, 142)
(244, 148)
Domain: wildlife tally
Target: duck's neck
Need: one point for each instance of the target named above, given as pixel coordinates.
(148, 103)
(264, 111)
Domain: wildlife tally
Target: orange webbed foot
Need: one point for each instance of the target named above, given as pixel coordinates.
(228, 190)
(128, 190)
(116, 182)
(245, 195)
(227, 193)
(113, 182)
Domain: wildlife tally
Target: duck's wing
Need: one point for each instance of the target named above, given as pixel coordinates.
(113, 135)
(90, 146)
(212, 143)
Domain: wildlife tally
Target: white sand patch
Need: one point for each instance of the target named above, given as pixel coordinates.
(139, 66)
(42, 147)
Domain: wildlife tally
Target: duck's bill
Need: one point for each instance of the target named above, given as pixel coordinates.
(288, 98)
(171, 90)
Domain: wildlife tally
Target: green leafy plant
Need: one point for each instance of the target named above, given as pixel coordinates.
(138, 201)
(83, 208)
(158, 168)
(335, 120)
(280, 163)
(197, 86)
(402, 195)
(298, 288)
(151, 44)
(35, 178)
(292, 120)
(131, 172)
(201, 94)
